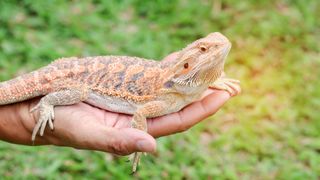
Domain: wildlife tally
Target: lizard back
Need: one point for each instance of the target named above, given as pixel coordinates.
(131, 78)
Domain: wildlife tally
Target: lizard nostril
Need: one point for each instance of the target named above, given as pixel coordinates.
(186, 65)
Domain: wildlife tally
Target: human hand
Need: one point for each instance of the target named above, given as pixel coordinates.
(85, 127)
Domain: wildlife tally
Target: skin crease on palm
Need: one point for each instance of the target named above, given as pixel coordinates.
(85, 127)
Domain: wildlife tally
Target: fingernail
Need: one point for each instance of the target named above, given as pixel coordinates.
(145, 146)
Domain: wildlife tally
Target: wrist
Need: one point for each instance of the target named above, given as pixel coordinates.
(16, 123)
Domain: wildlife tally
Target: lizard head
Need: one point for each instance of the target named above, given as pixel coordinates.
(202, 61)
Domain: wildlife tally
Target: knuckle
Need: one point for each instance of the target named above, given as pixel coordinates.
(120, 148)
(182, 125)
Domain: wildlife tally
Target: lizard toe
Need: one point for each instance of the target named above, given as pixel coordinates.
(36, 107)
(46, 114)
(136, 160)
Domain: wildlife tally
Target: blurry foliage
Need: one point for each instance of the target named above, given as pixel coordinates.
(271, 131)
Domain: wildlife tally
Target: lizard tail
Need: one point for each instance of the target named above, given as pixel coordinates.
(22, 88)
(36, 83)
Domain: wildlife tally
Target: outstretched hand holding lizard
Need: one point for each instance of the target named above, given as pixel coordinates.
(85, 127)
(123, 84)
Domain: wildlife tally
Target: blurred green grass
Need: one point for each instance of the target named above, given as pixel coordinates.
(271, 131)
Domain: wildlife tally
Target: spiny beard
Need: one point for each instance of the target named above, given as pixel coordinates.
(200, 78)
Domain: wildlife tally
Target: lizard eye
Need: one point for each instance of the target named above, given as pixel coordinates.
(203, 48)
(186, 65)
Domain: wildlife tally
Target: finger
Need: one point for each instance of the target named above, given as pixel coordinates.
(90, 132)
(131, 140)
(189, 116)
(117, 141)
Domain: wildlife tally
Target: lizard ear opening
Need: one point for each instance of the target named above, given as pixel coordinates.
(203, 48)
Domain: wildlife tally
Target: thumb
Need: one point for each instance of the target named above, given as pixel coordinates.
(129, 140)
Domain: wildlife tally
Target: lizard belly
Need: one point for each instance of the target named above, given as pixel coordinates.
(113, 104)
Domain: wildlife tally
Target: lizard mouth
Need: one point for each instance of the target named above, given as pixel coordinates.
(201, 78)
(225, 51)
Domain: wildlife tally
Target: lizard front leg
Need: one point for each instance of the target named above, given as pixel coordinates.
(47, 103)
(227, 84)
(151, 109)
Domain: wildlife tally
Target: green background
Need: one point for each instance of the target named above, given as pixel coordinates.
(270, 131)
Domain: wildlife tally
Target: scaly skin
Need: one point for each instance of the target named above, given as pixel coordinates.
(124, 84)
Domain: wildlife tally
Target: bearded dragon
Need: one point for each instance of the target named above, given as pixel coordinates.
(131, 85)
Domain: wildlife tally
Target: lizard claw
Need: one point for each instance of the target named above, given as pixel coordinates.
(50, 121)
(46, 117)
(136, 160)
(232, 86)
